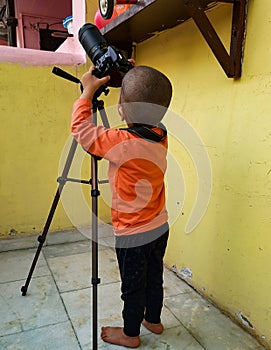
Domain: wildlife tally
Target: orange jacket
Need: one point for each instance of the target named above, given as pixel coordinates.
(136, 171)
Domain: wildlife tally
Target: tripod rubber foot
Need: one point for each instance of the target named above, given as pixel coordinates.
(23, 290)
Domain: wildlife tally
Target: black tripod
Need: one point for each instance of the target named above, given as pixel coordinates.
(95, 280)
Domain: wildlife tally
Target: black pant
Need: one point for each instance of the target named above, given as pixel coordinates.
(141, 269)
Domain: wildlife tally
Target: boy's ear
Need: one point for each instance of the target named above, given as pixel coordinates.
(120, 110)
(121, 113)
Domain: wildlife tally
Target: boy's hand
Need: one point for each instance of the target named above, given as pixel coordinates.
(132, 61)
(91, 83)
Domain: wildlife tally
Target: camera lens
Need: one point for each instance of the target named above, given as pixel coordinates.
(92, 41)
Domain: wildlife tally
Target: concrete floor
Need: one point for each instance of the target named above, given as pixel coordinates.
(56, 312)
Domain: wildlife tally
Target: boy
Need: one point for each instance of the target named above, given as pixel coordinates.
(137, 164)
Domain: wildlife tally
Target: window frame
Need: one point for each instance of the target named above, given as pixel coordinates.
(69, 53)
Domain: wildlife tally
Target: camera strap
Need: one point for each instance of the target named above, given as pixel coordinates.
(147, 133)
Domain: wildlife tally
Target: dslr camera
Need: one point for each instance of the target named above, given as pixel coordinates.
(106, 59)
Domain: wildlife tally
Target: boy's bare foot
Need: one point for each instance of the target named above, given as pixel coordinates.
(115, 335)
(156, 328)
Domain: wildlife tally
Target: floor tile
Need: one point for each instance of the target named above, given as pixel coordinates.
(104, 230)
(56, 313)
(10, 244)
(209, 326)
(174, 338)
(41, 306)
(108, 242)
(52, 238)
(73, 272)
(173, 285)
(55, 337)
(15, 265)
(64, 237)
(53, 251)
(79, 308)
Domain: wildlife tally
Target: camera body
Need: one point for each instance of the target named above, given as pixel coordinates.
(107, 59)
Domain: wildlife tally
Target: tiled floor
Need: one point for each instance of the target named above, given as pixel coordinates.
(56, 312)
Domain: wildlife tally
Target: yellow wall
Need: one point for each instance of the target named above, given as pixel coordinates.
(35, 108)
(229, 251)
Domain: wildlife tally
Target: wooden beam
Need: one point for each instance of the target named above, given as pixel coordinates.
(230, 62)
(210, 35)
(238, 36)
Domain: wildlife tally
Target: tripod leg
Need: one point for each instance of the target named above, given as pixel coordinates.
(42, 237)
(95, 279)
(103, 114)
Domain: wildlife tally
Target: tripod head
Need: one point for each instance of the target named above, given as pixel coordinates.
(61, 73)
(96, 104)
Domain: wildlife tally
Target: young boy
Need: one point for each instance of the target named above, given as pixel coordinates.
(137, 164)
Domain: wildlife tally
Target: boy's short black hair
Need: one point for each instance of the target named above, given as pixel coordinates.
(145, 95)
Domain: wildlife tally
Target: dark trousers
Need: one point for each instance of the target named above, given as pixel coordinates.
(141, 270)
